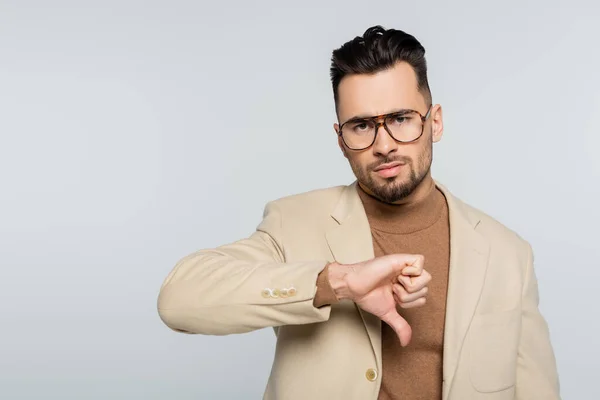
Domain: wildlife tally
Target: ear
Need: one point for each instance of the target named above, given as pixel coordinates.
(336, 128)
(437, 123)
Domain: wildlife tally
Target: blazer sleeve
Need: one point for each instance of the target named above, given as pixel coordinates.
(242, 286)
(537, 376)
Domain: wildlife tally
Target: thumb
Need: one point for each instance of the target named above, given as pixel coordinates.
(399, 325)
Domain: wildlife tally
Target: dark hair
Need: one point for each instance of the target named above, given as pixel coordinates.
(379, 49)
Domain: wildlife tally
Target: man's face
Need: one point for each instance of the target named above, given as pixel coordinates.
(381, 93)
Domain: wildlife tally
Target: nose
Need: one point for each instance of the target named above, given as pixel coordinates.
(384, 143)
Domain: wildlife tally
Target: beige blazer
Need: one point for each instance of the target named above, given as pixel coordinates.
(496, 343)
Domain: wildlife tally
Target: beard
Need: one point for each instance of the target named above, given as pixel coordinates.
(397, 188)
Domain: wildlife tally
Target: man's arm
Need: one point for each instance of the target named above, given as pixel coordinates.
(241, 287)
(248, 285)
(537, 376)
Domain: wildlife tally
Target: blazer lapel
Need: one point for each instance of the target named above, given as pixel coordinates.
(351, 242)
(469, 252)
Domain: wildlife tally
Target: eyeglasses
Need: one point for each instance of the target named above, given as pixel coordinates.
(404, 126)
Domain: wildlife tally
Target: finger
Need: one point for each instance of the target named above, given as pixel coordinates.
(413, 270)
(406, 297)
(414, 284)
(398, 262)
(415, 267)
(399, 325)
(420, 302)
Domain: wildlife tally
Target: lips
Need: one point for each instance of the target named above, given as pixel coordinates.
(389, 170)
(388, 166)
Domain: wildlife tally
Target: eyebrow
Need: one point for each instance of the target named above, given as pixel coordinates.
(364, 116)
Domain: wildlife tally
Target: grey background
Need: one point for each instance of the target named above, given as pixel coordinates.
(135, 132)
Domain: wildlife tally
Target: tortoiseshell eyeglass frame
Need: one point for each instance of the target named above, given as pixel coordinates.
(382, 119)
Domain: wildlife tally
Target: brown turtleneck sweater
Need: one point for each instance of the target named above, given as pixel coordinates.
(420, 227)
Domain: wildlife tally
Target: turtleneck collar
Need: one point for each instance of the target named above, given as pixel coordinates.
(413, 215)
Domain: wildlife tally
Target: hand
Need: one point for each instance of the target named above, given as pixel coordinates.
(378, 284)
(411, 289)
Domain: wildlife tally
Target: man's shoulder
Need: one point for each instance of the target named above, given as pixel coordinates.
(315, 199)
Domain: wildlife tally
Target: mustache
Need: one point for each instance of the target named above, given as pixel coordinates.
(387, 160)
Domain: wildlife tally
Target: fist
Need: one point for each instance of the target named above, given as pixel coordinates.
(410, 288)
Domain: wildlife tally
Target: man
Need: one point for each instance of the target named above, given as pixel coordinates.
(455, 289)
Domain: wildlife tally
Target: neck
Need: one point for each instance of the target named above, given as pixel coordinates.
(419, 210)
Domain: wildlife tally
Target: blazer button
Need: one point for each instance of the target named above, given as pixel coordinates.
(371, 375)
(266, 293)
(291, 291)
(275, 293)
(283, 293)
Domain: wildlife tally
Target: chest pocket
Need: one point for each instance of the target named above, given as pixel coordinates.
(492, 347)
